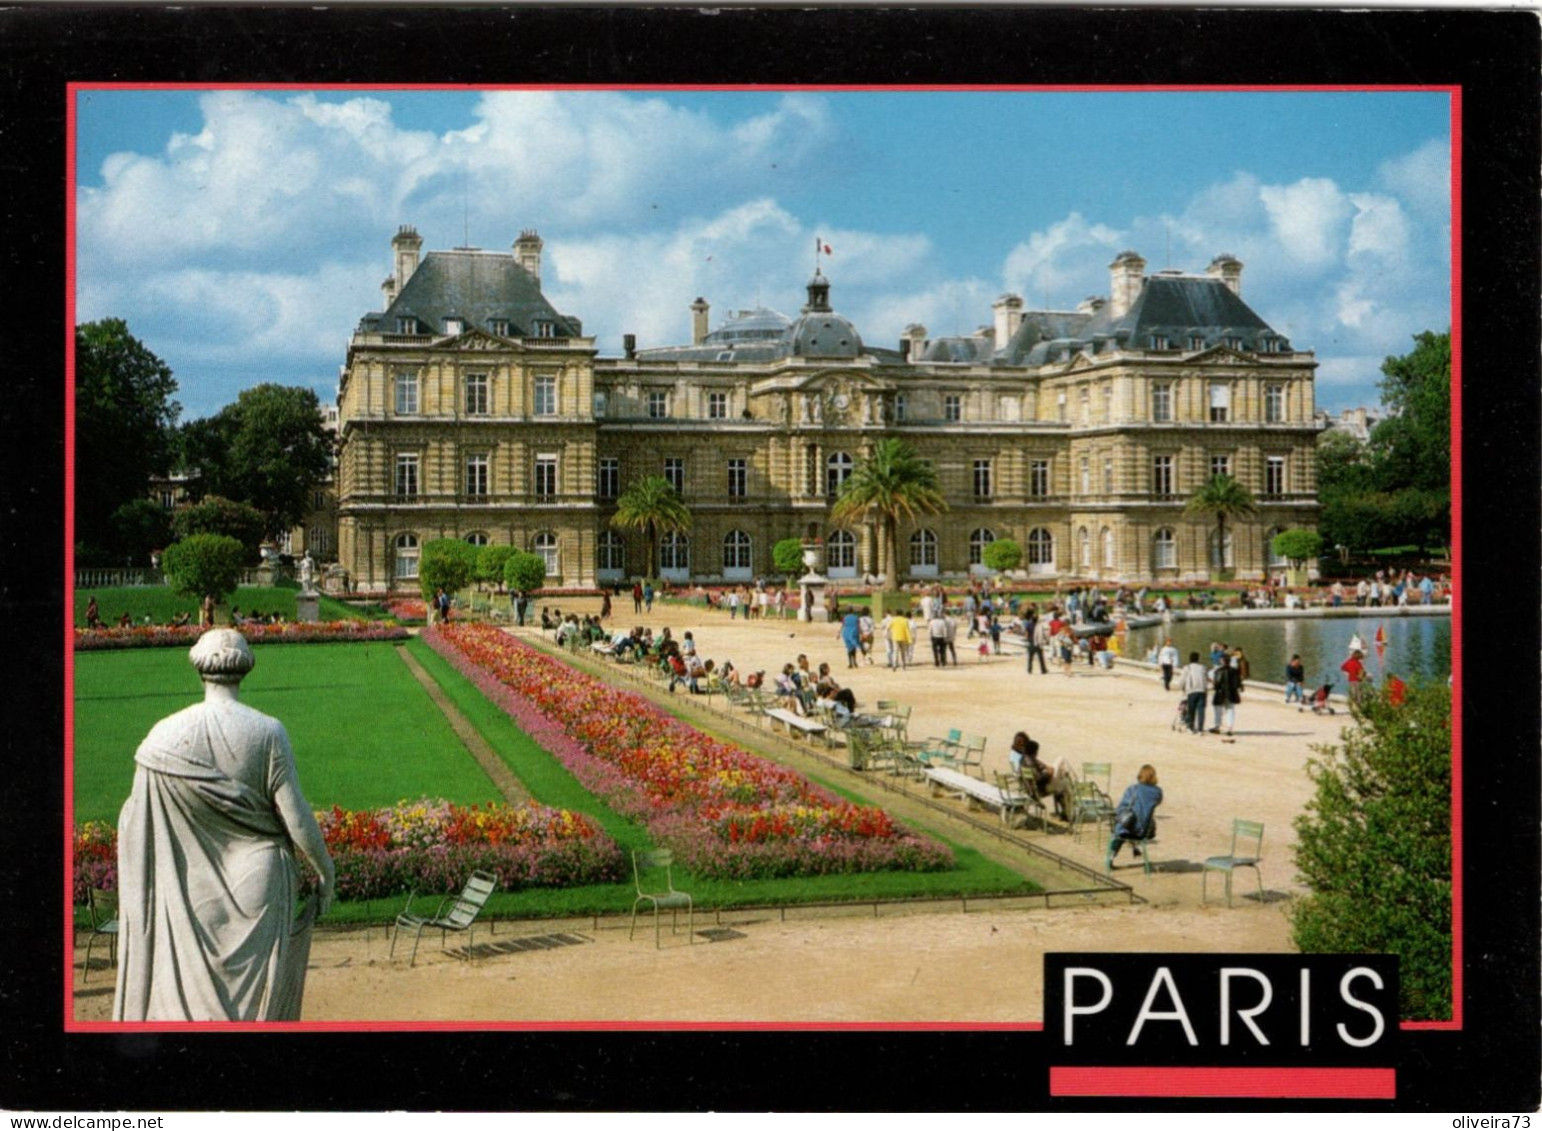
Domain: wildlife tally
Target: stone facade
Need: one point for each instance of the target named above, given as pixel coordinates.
(1079, 434)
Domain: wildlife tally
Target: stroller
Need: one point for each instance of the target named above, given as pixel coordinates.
(1181, 719)
(1319, 701)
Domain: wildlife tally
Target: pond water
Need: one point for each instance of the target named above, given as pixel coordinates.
(1418, 648)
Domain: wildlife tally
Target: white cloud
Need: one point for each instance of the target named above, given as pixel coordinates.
(1308, 219)
(1379, 227)
(1422, 178)
(1054, 263)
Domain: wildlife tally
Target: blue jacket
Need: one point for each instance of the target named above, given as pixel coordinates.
(1136, 815)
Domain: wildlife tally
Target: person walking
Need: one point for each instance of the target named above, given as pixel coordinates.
(1168, 658)
(1295, 677)
(1192, 683)
(1037, 635)
(900, 641)
(937, 630)
(851, 636)
(1226, 678)
(647, 595)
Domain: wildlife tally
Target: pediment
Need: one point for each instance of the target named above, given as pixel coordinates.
(476, 340)
(1217, 355)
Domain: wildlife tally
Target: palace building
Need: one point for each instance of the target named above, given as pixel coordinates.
(470, 408)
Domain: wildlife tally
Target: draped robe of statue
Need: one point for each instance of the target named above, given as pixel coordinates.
(207, 874)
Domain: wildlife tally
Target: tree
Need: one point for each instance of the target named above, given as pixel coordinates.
(1225, 498)
(123, 420)
(787, 556)
(1374, 845)
(524, 572)
(268, 449)
(219, 515)
(887, 486)
(1412, 444)
(1298, 546)
(653, 506)
(490, 562)
(446, 563)
(1002, 554)
(204, 565)
(140, 527)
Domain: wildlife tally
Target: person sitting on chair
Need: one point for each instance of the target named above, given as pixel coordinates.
(1055, 781)
(1135, 818)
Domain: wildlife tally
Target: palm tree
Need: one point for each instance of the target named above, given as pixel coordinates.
(1225, 498)
(654, 506)
(890, 484)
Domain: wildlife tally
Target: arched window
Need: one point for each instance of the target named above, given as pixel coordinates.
(736, 555)
(1276, 559)
(923, 553)
(675, 555)
(1220, 554)
(406, 557)
(977, 542)
(545, 545)
(841, 554)
(1041, 550)
(477, 538)
(1164, 550)
(318, 542)
(1083, 548)
(1108, 548)
(837, 470)
(611, 555)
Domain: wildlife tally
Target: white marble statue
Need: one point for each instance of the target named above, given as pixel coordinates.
(308, 573)
(207, 876)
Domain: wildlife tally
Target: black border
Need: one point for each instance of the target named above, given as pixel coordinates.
(1493, 1064)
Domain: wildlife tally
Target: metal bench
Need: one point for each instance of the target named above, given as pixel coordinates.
(795, 723)
(974, 790)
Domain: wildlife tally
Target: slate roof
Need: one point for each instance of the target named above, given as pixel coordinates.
(478, 286)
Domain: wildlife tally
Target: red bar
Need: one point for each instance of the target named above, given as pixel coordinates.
(1295, 1083)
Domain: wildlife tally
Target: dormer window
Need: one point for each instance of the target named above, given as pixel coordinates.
(1159, 341)
(1234, 343)
(453, 325)
(405, 324)
(499, 327)
(544, 328)
(1271, 345)
(1196, 342)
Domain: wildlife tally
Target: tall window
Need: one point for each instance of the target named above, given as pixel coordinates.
(476, 394)
(1084, 398)
(1038, 478)
(1161, 475)
(609, 477)
(1220, 551)
(1164, 549)
(901, 406)
(317, 540)
(1274, 475)
(658, 404)
(738, 476)
(546, 477)
(1107, 538)
(407, 392)
(546, 395)
(838, 469)
(1220, 465)
(1108, 475)
(841, 554)
(1083, 548)
(982, 478)
(923, 550)
(1041, 549)
(1060, 408)
(612, 553)
(674, 471)
(545, 545)
(717, 406)
(736, 551)
(675, 552)
(1084, 475)
(476, 473)
(407, 474)
(978, 540)
(811, 470)
(952, 408)
(476, 539)
(1220, 403)
(1274, 404)
(1276, 558)
(1108, 402)
(1162, 403)
(406, 556)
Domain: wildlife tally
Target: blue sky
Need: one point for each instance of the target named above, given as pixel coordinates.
(243, 233)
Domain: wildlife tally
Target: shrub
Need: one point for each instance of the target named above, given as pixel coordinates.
(524, 572)
(490, 563)
(1374, 845)
(204, 565)
(787, 556)
(1297, 546)
(1003, 553)
(217, 515)
(446, 563)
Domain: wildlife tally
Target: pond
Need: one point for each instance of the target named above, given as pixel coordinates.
(1418, 648)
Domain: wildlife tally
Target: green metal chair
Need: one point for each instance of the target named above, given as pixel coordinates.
(454, 913)
(669, 897)
(1100, 774)
(939, 750)
(1089, 805)
(1018, 795)
(102, 907)
(971, 752)
(1247, 849)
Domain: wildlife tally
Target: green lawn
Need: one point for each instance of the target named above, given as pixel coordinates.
(161, 604)
(365, 734)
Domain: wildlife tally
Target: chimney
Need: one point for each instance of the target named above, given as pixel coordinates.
(699, 310)
(1009, 316)
(388, 291)
(1127, 275)
(405, 246)
(629, 344)
(913, 341)
(1091, 304)
(527, 251)
(1227, 268)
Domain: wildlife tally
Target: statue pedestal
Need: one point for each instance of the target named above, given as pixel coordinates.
(306, 607)
(811, 598)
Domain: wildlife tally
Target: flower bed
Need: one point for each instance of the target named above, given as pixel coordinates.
(425, 845)
(185, 636)
(727, 814)
(408, 610)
